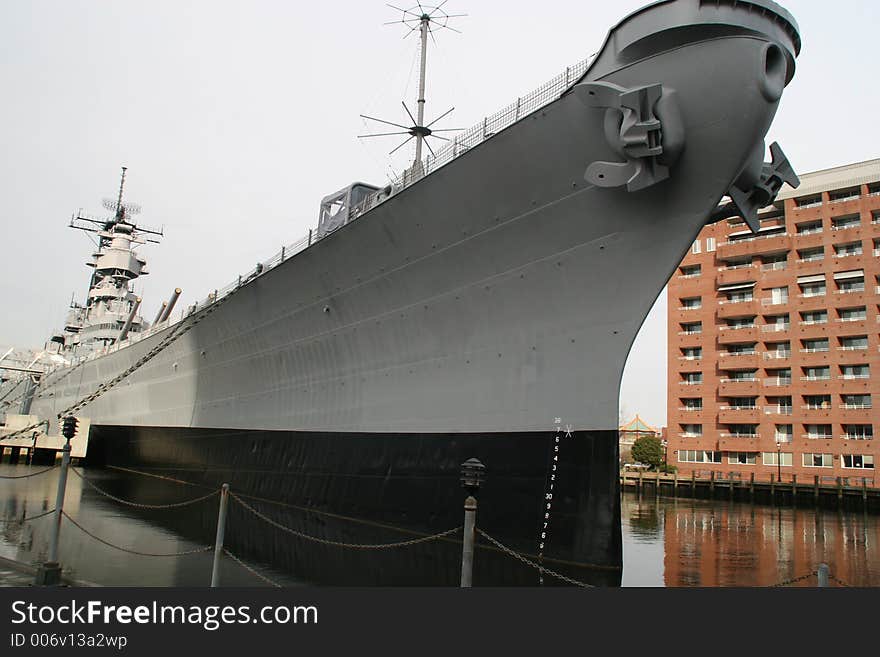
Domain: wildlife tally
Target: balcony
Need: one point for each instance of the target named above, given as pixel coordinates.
(734, 275)
(776, 382)
(811, 329)
(856, 414)
(733, 335)
(738, 387)
(754, 245)
(776, 355)
(815, 385)
(808, 241)
(776, 409)
(738, 415)
(728, 309)
(775, 328)
(738, 361)
(816, 414)
(689, 364)
(769, 304)
(774, 266)
(732, 443)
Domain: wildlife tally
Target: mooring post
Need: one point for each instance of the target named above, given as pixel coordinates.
(693, 481)
(839, 493)
(752, 487)
(472, 475)
(823, 575)
(221, 532)
(816, 489)
(49, 573)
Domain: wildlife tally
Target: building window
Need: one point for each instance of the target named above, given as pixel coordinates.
(698, 456)
(691, 430)
(842, 223)
(774, 262)
(741, 375)
(858, 432)
(692, 353)
(818, 373)
(783, 433)
(855, 371)
(785, 460)
(817, 460)
(710, 244)
(692, 404)
(691, 303)
(691, 271)
(742, 403)
(853, 343)
(692, 328)
(852, 314)
(809, 227)
(844, 194)
(818, 431)
(692, 378)
(848, 249)
(696, 247)
(780, 377)
(811, 255)
(814, 402)
(858, 461)
(741, 458)
(778, 406)
(808, 201)
(814, 345)
(812, 289)
(743, 430)
(814, 317)
(740, 322)
(855, 401)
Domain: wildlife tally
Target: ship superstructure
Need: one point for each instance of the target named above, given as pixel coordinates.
(110, 311)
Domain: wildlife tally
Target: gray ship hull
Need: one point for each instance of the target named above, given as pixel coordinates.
(493, 298)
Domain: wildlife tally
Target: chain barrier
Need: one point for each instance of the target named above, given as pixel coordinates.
(32, 474)
(528, 562)
(251, 570)
(29, 518)
(354, 546)
(207, 548)
(795, 580)
(138, 505)
(175, 333)
(839, 581)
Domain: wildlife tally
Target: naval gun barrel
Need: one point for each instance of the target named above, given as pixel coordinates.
(160, 313)
(170, 306)
(127, 326)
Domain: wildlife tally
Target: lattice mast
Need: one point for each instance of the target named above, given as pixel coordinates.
(427, 20)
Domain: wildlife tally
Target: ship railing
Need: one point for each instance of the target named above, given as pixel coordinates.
(488, 127)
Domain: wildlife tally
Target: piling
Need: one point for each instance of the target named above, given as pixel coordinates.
(221, 532)
(712, 484)
(865, 493)
(794, 490)
(752, 488)
(467, 545)
(839, 493)
(823, 573)
(816, 489)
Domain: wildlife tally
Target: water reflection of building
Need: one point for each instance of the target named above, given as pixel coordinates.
(630, 432)
(708, 544)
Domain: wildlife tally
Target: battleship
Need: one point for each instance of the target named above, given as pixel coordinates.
(481, 305)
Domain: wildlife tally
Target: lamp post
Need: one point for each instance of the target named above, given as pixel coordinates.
(665, 444)
(779, 461)
(473, 472)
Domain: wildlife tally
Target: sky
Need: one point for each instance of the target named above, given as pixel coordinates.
(235, 119)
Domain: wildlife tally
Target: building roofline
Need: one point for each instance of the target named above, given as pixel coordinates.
(824, 180)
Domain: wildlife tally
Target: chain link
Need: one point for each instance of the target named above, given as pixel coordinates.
(138, 505)
(355, 546)
(29, 518)
(838, 580)
(178, 330)
(520, 557)
(130, 551)
(251, 570)
(32, 474)
(795, 580)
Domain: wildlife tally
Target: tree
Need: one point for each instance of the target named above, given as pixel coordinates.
(648, 449)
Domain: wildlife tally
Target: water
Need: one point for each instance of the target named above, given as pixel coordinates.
(667, 542)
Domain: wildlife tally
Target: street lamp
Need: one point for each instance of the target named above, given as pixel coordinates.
(779, 460)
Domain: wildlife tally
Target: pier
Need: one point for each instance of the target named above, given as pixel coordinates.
(851, 493)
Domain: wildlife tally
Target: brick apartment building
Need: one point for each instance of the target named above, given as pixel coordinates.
(774, 337)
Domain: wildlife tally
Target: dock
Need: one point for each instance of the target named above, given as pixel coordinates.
(851, 493)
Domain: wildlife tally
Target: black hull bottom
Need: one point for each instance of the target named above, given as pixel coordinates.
(371, 488)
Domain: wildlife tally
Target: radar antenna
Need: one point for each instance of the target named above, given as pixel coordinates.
(426, 19)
